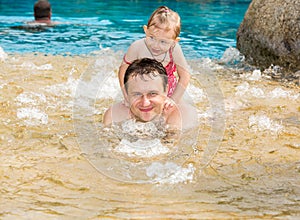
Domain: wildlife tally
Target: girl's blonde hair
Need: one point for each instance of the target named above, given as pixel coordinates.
(165, 16)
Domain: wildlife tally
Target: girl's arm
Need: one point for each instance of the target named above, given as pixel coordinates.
(183, 81)
(131, 55)
(182, 72)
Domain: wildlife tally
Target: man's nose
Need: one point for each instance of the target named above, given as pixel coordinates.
(145, 100)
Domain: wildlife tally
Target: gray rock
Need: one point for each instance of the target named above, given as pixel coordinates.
(270, 34)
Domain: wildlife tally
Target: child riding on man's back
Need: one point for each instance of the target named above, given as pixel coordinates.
(161, 43)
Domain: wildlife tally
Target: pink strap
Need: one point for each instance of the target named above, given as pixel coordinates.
(126, 60)
(170, 53)
(172, 80)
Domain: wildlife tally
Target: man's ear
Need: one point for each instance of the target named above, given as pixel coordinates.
(167, 89)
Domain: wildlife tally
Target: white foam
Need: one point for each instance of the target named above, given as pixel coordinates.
(209, 64)
(109, 89)
(142, 147)
(170, 173)
(281, 93)
(31, 65)
(242, 89)
(32, 116)
(232, 56)
(3, 55)
(197, 94)
(67, 89)
(31, 98)
(245, 90)
(263, 123)
(47, 66)
(257, 92)
(254, 76)
(105, 22)
(143, 130)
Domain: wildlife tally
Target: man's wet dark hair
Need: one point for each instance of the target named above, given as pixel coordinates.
(42, 9)
(146, 66)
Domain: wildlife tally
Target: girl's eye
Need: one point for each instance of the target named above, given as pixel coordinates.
(153, 94)
(163, 42)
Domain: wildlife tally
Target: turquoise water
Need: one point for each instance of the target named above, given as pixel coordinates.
(208, 27)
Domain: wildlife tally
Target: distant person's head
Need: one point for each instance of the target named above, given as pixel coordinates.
(146, 85)
(42, 11)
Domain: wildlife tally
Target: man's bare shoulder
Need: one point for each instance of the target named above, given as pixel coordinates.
(116, 113)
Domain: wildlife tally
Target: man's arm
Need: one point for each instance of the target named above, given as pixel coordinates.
(116, 113)
(107, 117)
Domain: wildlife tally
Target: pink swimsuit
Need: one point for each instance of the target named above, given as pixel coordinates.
(170, 69)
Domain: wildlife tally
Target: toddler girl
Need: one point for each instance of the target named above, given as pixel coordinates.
(161, 44)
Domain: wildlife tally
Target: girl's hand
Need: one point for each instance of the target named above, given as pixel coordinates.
(169, 104)
(125, 102)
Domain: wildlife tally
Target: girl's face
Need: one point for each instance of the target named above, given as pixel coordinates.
(159, 40)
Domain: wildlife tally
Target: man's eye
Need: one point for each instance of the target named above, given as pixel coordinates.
(136, 94)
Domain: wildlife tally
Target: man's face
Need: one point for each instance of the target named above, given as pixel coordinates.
(146, 97)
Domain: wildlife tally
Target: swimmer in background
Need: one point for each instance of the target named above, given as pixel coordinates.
(42, 14)
(146, 86)
(42, 18)
(161, 43)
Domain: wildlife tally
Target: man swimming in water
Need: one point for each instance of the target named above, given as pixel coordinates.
(42, 12)
(146, 85)
(42, 18)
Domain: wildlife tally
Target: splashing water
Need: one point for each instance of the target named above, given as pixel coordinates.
(55, 153)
